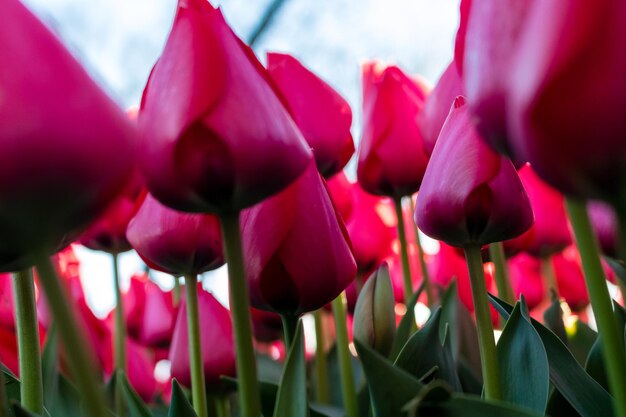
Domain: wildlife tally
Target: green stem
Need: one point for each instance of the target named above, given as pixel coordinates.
(612, 336)
(79, 357)
(339, 305)
(503, 282)
(222, 406)
(28, 341)
(240, 310)
(486, 340)
(290, 324)
(404, 251)
(198, 385)
(547, 270)
(176, 291)
(321, 366)
(422, 259)
(120, 323)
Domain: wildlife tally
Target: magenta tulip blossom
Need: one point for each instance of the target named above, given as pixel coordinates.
(175, 242)
(604, 222)
(470, 195)
(215, 136)
(298, 255)
(66, 149)
(323, 116)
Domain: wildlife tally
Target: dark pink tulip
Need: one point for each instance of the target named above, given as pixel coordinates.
(159, 316)
(437, 106)
(604, 222)
(323, 116)
(133, 300)
(459, 40)
(8, 350)
(550, 233)
(392, 159)
(568, 95)
(340, 189)
(216, 339)
(570, 278)
(470, 195)
(66, 148)
(141, 370)
(492, 32)
(267, 326)
(7, 317)
(371, 237)
(297, 250)
(175, 242)
(215, 136)
(526, 279)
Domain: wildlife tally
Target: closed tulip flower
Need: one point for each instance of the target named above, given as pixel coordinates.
(527, 279)
(215, 136)
(66, 148)
(141, 370)
(392, 159)
(550, 233)
(437, 106)
(570, 278)
(568, 95)
(491, 35)
(216, 340)
(340, 189)
(323, 116)
(297, 250)
(470, 195)
(159, 316)
(604, 221)
(134, 299)
(175, 242)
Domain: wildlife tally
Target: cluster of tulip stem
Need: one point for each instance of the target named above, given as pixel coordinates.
(81, 363)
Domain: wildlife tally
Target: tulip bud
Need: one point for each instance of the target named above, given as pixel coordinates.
(215, 136)
(175, 242)
(323, 116)
(298, 255)
(374, 315)
(216, 341)
(470, 195)
(604, 222)
(159, 316)
(392, 159)
(66, 149)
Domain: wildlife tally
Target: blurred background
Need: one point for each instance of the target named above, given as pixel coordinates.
(118, 42)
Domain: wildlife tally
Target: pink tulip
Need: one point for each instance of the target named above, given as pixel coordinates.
(570, 278)
(340, 189)
(526, 279)
(604, 222)
(159, 316)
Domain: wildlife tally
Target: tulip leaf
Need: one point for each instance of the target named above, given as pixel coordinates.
(180, 405)
(268, 391)
(587, 397)
(390, 387)
(11, 384)
(136, 406)
(523, 363)
(407, 324)
(580, 339)
(424, 351)
(61, 397)
(291, 400)
(553, 319)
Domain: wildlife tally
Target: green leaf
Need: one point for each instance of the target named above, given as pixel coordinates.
(459, 405)
(390, 387)
(587, 397)
(291, 400)
(424, 350)
(268, 391)
(11, 384)
(180, 405)
(407, 323)
(580, 339)
(136, 406)
(523, 363)
(553, 319)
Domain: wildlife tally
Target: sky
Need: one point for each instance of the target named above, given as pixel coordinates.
(118, 42)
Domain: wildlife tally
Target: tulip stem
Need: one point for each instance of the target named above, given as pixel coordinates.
(220, 405)
(28, 341)
(79, 358)
(198, 385)
(240, 309)
(503, 282)
(423, 267)
(486, 340)
(547, 270)
(176, 291)
(612, 336)
(120, 325)
(321, 366)
(290, 325)
(339, 305)
(404, 251)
